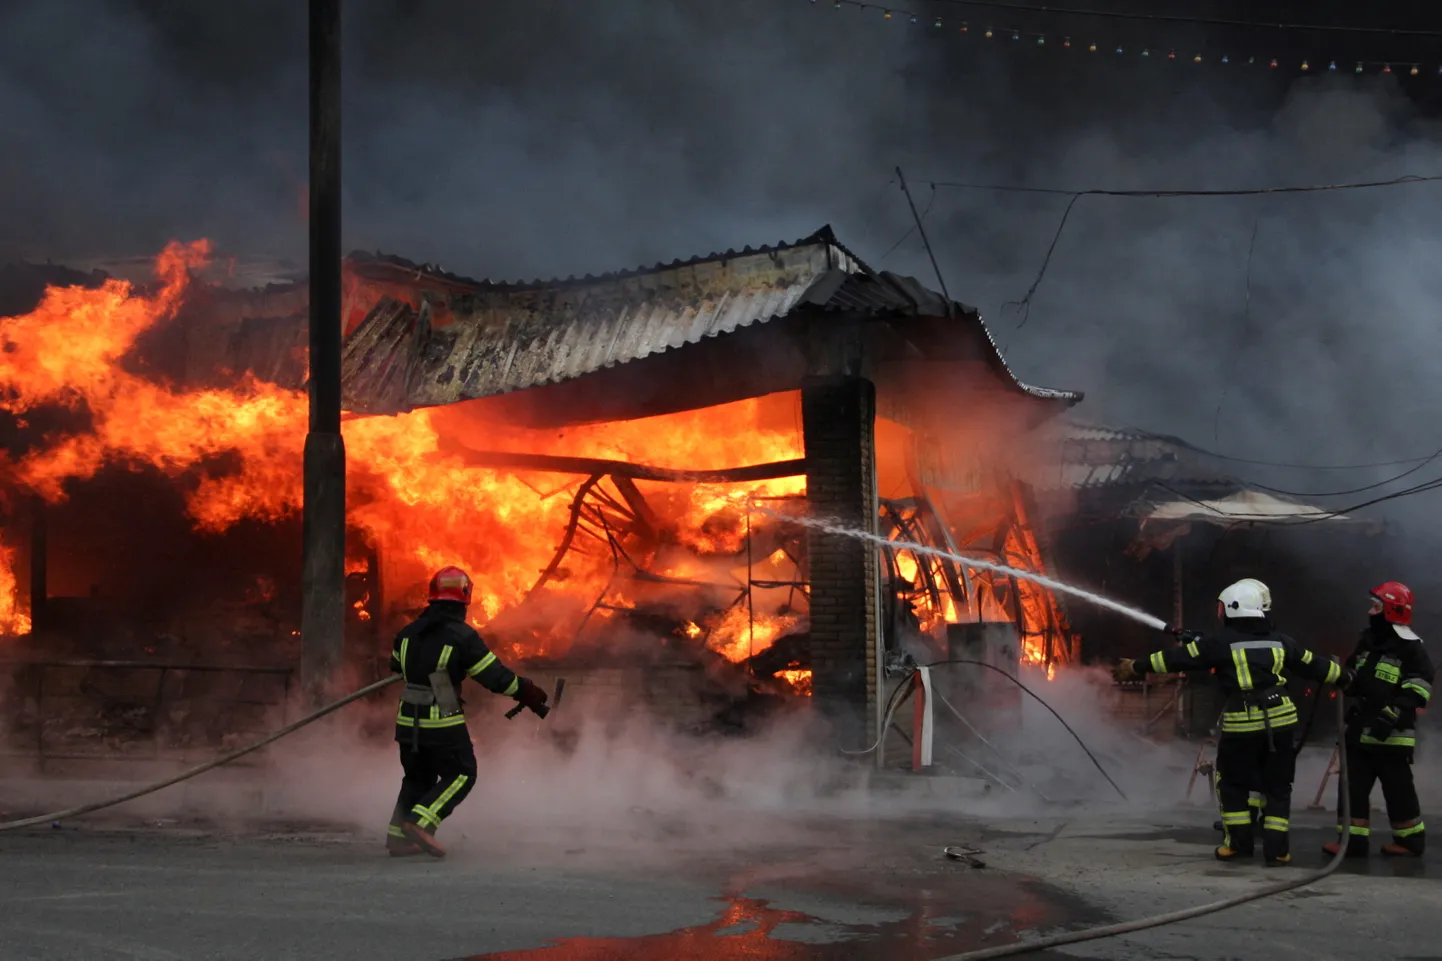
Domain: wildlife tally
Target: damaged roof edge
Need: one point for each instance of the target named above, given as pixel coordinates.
(1069, 397)
(902, 292)
(364, 259)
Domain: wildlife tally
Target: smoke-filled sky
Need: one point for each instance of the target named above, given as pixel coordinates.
(550, 137)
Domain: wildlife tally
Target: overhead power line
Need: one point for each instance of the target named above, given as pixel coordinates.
(1294, 466)
(1241, 192)
(1024, 304)
(1353, 490)
(1314, 517)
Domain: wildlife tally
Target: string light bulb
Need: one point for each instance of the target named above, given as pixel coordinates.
(1041, 42)
(1120, 50)
(1387, 68)
(988, 33)
(1251, 60)
(1359, 66)
(1413, 71)
(886, 15)
(1226, 59)
(1273, 64)
(1171, 55)
(1306, 66)
(1092, 48)
(1066, 42)
(1197, 59)
(1146, 53)
(1015, 35)
(1332, 66)
(964, 28)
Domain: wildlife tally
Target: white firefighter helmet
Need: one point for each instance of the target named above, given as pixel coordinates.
(1243, 599)
(1266, 591)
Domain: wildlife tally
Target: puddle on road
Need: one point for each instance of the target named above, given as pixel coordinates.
(747, 928)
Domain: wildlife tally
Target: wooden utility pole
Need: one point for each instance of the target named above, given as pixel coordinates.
(323, 564)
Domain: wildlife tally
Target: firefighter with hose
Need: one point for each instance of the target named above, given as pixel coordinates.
(1256, 801)
(1394, 682)
(1258, 717)
(433, 654)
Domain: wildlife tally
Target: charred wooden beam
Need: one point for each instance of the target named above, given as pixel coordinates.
(577, 503)
(511, 460)
(647, 523)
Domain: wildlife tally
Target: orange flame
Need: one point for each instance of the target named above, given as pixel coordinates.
(427, 507)
(798, 678)
(12, 619)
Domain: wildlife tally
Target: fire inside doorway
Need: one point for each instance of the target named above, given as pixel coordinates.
(620, 461)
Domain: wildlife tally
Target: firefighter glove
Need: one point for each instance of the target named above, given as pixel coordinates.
(1345, 679)
(1387, 718)
(1182, 634)
(1124, 671)
(531, 695)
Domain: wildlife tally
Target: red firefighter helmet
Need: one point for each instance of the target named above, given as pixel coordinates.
(451, 584)
(1396, 599)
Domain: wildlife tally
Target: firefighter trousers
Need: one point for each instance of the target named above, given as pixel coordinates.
(1244, 763)
(1393, 767)
(436, 780)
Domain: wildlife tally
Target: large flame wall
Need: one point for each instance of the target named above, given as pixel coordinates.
(237, 452)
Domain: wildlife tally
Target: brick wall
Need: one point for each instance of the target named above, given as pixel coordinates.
(838, 418)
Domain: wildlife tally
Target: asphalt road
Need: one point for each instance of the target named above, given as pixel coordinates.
(651, 889)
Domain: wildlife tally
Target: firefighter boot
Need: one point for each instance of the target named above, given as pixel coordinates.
(1237, 841)
(1409, 839)
(1276, 845)
(398, 845)
(425, 839)
(1356, 840)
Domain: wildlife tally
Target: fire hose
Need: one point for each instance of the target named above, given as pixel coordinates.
(1186, 914)
(186, 775)
(897, 699)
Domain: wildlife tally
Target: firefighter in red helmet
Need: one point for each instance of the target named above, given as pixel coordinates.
(1393, 682)
(434, 653)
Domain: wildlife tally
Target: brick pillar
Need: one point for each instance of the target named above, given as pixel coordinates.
(838, 415)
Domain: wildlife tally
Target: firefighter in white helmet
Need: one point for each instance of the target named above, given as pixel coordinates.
(1256, 800)
(1258, 716)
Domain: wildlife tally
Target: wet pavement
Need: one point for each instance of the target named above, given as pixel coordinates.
(872, 892)
(863, 890)
(755, 930)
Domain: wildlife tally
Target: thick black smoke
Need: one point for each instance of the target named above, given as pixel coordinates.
(551, 137)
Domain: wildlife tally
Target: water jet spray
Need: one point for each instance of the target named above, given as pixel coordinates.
(831, 527)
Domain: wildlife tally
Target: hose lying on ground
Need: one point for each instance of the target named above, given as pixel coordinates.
(896, 700)
(1156, 921)
(209, 765)
(1037, 697)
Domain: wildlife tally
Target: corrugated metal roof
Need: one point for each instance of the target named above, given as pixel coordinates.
(1094, 456)
(272, 348)
(504, 337)
(1120, 472)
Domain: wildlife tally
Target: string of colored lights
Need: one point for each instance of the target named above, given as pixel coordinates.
(955, 26)
(1189, 19)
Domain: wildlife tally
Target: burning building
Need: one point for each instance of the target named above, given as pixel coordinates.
(623, 462)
